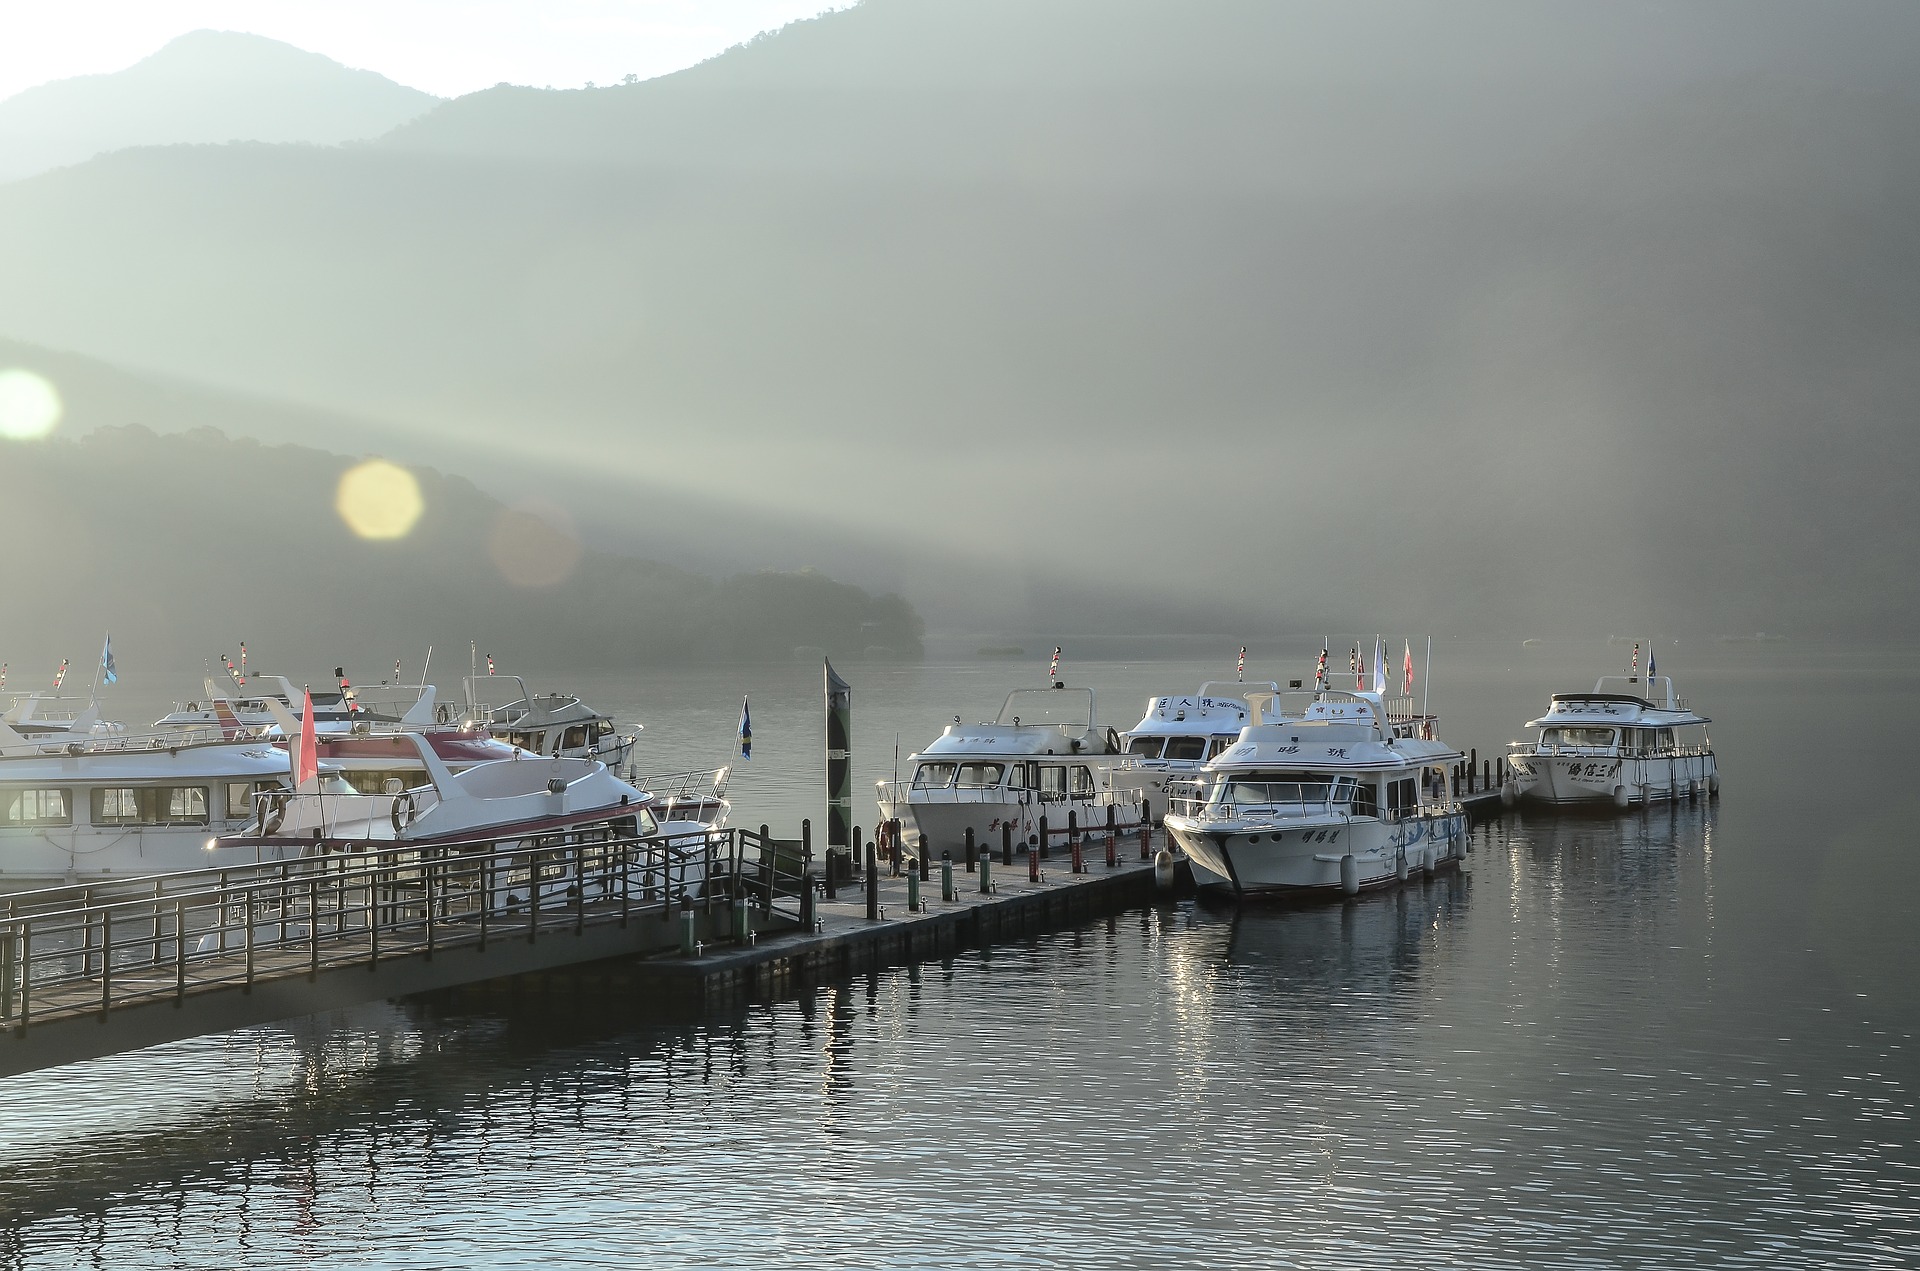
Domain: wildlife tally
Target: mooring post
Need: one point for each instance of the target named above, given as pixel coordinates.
(972, 851)
(1113, 839)
(946, 877)
(687, 920)
(806, 889)
(806, 850)
(1146, 828)
(1033, 854)
(986, 872)
(1043, 837)
(913, 891)
(1073, 841)
(853, 853)
(873, 885)
(1473, 765)
(923, 858)
(1006, 842)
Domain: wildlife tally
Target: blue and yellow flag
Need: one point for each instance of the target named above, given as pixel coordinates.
(746, 731)
(107, 671)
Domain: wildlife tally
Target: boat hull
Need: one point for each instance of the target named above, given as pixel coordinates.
(945, 822)
(1306, 856)
(1611, 780)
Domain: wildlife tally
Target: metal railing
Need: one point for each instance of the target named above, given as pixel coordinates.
(1526, 748)
(73, 950)
(900, 792)
(1231, 800)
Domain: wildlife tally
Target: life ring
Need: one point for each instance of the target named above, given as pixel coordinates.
(1113, 741)
(273, 813)
(444, 714)
(403, 811)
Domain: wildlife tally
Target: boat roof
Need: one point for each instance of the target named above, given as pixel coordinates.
(1220, 707)
(1334, 730)
(206, 761)
(1612, 702)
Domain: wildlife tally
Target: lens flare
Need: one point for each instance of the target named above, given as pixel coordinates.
(29, 405)
(533, 545)
(378, 499)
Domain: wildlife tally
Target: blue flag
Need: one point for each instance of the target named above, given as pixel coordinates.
(106, 661)
(746, 731)
(1650, 662)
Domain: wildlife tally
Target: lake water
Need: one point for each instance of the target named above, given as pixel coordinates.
(1681, 1037)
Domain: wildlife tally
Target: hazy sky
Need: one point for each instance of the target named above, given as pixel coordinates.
(446, 47)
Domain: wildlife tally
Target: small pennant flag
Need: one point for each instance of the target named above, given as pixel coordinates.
(3, 674)
(1353, 660)
(243, 661)
(107, 671)
(1380, 665)
(1054, 668)
(746, 731)
(1240, 672)
(1650, 671)
(489, 664)
(1635, 669)
(1320, 670)
(396, 670)
(1406, 679)
(60, 676)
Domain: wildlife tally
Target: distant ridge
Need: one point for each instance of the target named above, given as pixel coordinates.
(205, 86)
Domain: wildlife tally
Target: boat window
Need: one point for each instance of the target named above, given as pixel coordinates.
(240, 797)
(374, 780)
(1189, 748)
(929, 775)
(602, 728)
(1219, 744)
(574, 737)
(35, 807)
(526, 741)
(1145, 747)
(1265, 788)
(1082, 782)
(1366, 800)
(150, 805)
(1020, 778)
(1401, 795)
(1053, 782)
(1579, 736)
(1666, 739)
(981, 775)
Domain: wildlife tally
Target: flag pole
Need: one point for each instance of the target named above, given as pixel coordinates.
(1426, 683)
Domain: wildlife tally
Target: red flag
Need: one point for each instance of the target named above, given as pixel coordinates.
(306, 763)
(1406, 685)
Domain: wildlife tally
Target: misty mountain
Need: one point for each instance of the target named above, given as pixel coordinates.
(1477, 316)
(178, 542)
(206, 86)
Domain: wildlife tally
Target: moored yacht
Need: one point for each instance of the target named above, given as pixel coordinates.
(1344, 792)
(80, 808)
(1045, 755)
(556, 724)
(1627, 742)
(342, 709)
(1179, 734)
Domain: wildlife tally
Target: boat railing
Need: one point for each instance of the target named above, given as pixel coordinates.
(899, 792)
(1529, 748)
(120, 741)
(1232, 800)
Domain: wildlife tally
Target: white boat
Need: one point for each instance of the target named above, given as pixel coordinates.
(1345, 792)
(83, 808)
(557, 724)
(35, 715)
(1044, 755)
(533, 799)
(1179, 734)
(1627, 742)
(339, 708)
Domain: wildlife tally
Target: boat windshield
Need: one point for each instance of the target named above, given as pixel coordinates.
(933, 774)
(1193, 748)
(1577, 736)
(1265, 789)
(1145, 747)
(980, 775)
